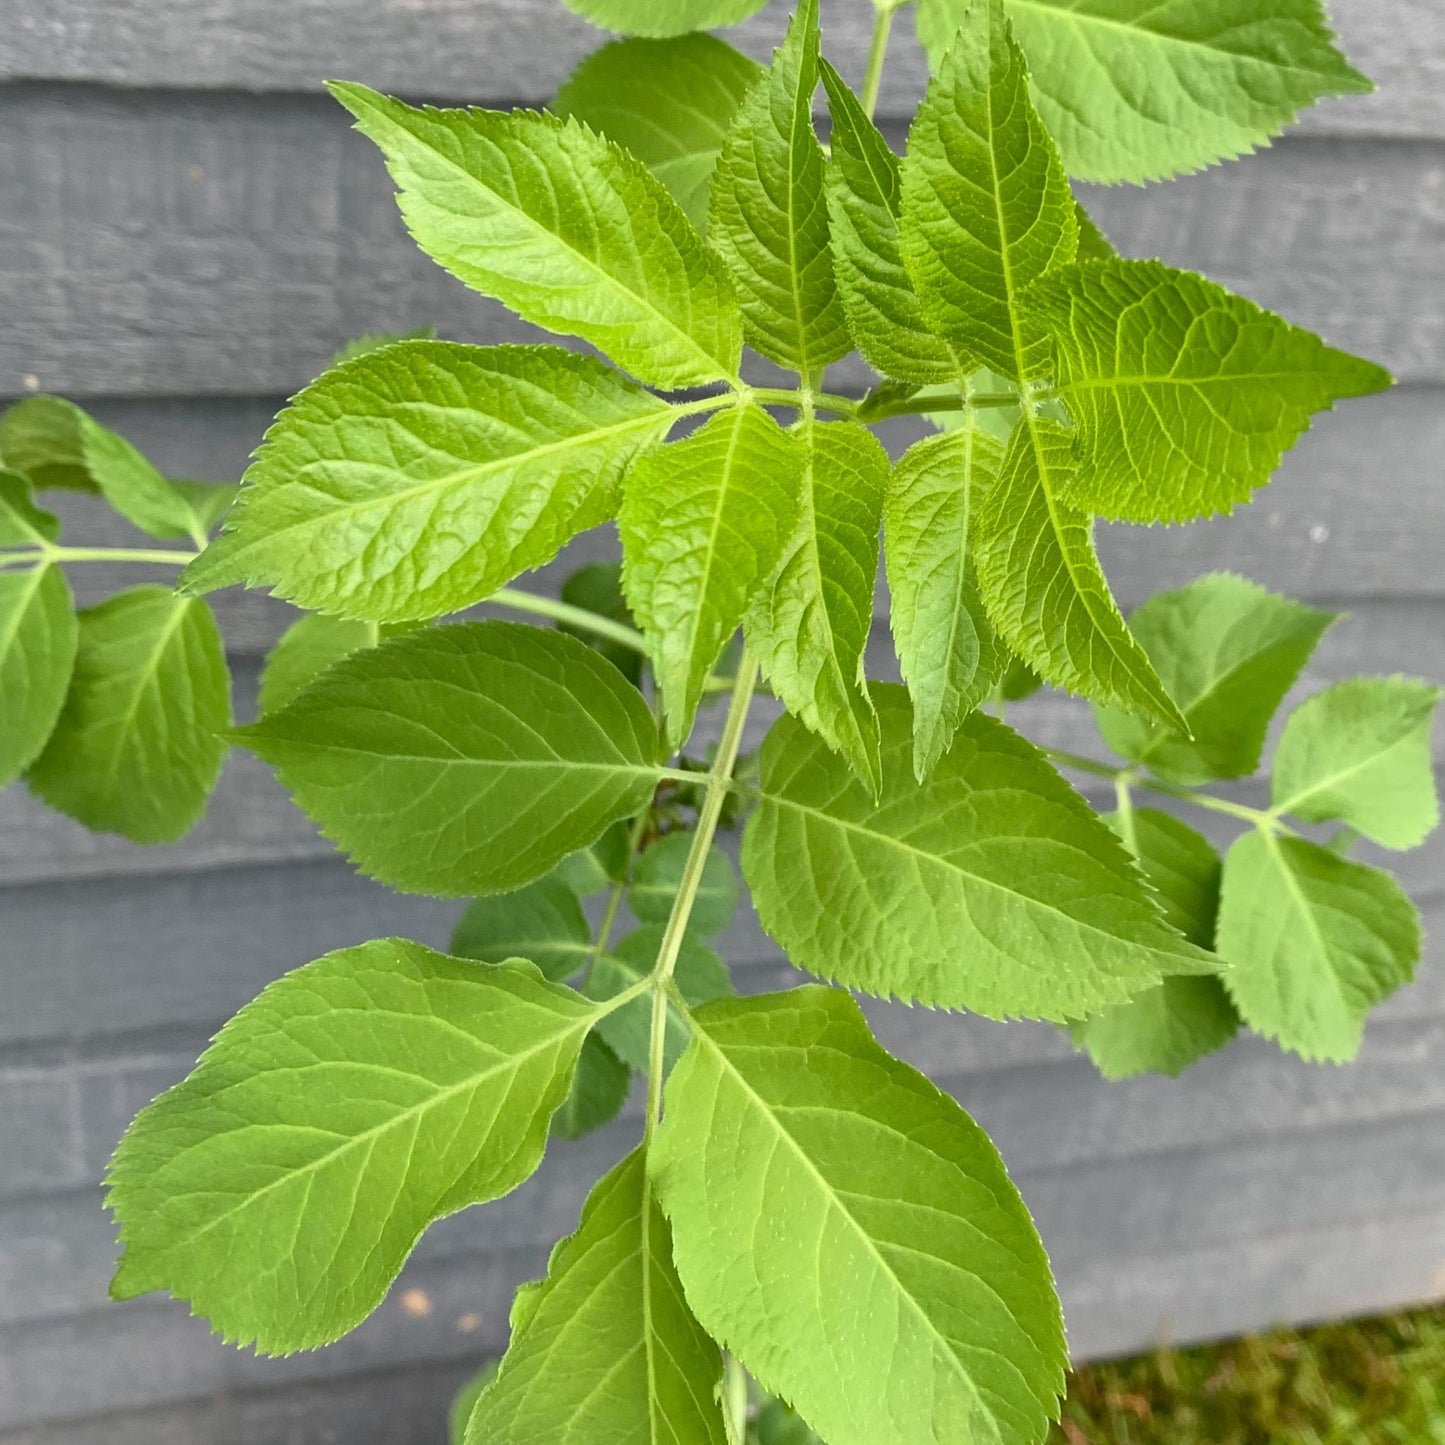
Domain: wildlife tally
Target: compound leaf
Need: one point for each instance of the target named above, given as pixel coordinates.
(1227, 651)
(669, 102)
(1136, 91)
(563, 226)
(864, 195)
(986, 205)
(700, 975)
(138, 746)
(1312, 942)
(542, 923)
(599, 1090)
(770, 215)
(1166, 1029)
(306, 649)
(850, 1234)
(1359, 753)
(465, 759)
(417, 479)
(280, 1187)
(658, 876)
(1042, 584)
(1185, 395)
(704, 522)
(991, 886)
(605, 1348)
(809, 627)
(949, 653)
(664, 17)
(40, 437)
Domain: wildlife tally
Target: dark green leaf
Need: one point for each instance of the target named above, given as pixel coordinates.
(542, 923)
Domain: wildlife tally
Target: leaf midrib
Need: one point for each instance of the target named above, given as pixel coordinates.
(1334, 779)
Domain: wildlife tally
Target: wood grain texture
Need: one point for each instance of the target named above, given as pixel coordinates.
(489, 53)
(179, 243)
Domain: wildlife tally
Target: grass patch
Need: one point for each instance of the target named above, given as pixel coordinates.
(1366, 1382)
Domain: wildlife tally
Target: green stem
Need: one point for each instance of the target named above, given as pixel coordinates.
(156, 555)
(718, 781)
(939, 399)
(1124, 798)
(614, 897)
(825, 400)
(577, 617)
(877, 54)
(735, 1397)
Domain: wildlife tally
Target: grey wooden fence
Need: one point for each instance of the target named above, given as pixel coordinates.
(187, 231)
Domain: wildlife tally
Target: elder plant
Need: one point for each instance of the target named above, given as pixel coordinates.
(800, 1207)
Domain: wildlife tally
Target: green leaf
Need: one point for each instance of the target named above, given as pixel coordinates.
(597, 588)
(465, 759)
(542, 923)
(465, 1401)
(850, 1234)
(606, 1347)
(280, 1188)
(1227, 651)
(418, 479)
(986, 205)
(1134, 90)
(1018, 682)
(864, 195)
(138, 746)
(589, 870)
(1185, 395)
(375, 340)
(598, 1092)
(1359, 752)
(658, 876)
(136, 489)
(669, 102)
(564, 227)
(1094, 245)
(1168, 1028)
(701, 976)
(664, 17)
(769, 214)
(950, 655)
(40, 437)
(1042, 584)
(1313, 942)
(306, 650)
(778, 1425)
(704, 523)
(810, 625)
(38, 634)
(991, 886)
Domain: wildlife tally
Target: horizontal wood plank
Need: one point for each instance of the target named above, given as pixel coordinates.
(178, 243)
(489, 54)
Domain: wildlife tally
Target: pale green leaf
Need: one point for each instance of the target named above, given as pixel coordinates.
(1312, 942)
(465, 759)
(1228, 651)
(770, 215)
(658, 876)
(589, 870)
(280, 1188)
(542, 922)
(135, 488)
(849, 1233)
(40, 437)
(375, 340)
(986, 205)
(1359, 753)
(139, 743)
(669, 102)
(418, 479)
(664, 17)
(949, 653)
(597, 588)
(38, 631)
(306, 650)
(1185, 395)
(810, 625)
(700, 975)
(1094, 245)
(704, 523)
(864, 195)
(1135, 90)
(563, 226)
(1168, 1028)
(599, 1090)
(991, 886)
(1042, 584)
(606, 1348)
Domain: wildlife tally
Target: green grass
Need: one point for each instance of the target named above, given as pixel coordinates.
(1367, 1382)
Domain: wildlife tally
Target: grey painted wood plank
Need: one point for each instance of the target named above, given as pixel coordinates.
(173, 243)
(489, 53)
